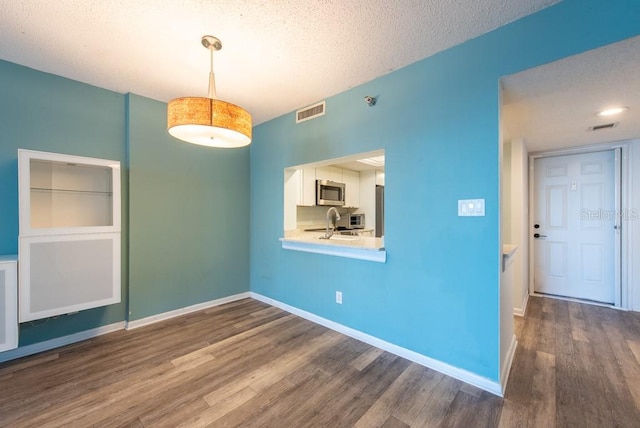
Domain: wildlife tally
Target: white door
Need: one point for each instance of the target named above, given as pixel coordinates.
(574, 226)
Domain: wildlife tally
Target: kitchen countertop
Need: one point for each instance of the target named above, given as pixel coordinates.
(359, 247)
(508, 251)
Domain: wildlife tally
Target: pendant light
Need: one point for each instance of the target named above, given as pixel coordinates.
(209, 121)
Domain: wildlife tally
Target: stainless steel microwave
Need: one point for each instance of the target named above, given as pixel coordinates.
(351, 221)
(330, 193)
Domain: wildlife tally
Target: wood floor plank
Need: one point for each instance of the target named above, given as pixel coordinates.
(29, 362)
(160, 416)
(381, 411)
(468, 410)
(277, 405)
(614, 395)
(542, 410)
(523, 367)
(435, 408)
(352, 400)
(578, 326)
(221, 408)
(514, 415)
(545, 327)
(250, 364)
(635, 349)
(271, 373)
(569, 404)
(626, 360)
(421, 390)
(394, 423)
(365, 359)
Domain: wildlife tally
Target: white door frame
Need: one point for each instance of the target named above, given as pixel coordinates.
(622, 201)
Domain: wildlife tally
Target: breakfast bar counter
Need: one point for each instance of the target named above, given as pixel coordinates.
(357, 247)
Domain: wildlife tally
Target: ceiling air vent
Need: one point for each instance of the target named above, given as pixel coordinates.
(311, 112)
(601, 127)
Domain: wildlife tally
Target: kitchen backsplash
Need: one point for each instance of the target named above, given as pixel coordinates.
(313, 217)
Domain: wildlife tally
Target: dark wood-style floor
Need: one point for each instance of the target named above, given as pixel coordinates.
(249, 364)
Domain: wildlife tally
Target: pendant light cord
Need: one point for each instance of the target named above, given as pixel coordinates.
(212, 78)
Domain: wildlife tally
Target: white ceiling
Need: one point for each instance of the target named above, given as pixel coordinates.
(552, 106)
(277, 55)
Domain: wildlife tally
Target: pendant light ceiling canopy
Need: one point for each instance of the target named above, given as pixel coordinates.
(209, 121)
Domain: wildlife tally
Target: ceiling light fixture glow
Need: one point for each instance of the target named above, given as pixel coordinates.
(612, 111)
(373, 161)
(209, 121)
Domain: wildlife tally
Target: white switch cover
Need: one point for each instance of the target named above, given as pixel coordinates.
(470, 207)
(339, 297)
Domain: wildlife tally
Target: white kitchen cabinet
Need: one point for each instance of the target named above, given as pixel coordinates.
(69, 233)
(9, 303)
(351, 180)
(307, 183)
(331, 173)
(379, 177)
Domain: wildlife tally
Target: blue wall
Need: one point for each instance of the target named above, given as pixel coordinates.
(40, 111)
(189, 216)
(437, 119)
(438, 122)
(189, 221)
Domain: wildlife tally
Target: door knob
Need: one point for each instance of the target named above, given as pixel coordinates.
(537, 235)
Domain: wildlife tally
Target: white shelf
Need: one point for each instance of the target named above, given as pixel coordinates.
(62, 194)
(8, 303)
(69, 233)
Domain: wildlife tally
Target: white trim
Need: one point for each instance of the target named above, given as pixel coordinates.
(24, 201)
(372, 255)
(455, 372)
(130, 325)
(60, 341)
(508, 361)
(573, 299)
(576, 150)
(519, 312)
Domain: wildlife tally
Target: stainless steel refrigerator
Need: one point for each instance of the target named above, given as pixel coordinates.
(379, 211)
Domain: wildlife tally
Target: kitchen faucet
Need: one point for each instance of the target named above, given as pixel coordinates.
(329, 233)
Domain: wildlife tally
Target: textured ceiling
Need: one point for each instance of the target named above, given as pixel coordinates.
(277, 56)
(552, 106)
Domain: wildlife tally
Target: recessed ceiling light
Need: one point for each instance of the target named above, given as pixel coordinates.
(612, 111)
(374, 161)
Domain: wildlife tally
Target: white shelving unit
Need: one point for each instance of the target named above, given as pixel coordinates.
(9, 303)
(69, 233)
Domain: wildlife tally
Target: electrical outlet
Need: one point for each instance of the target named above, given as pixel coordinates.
(339, 297)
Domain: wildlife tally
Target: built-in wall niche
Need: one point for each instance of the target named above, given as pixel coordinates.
(65, 194)
(69, 234)
(364, 177)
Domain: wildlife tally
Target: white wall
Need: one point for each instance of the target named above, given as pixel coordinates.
(519, 227)
(515, 218)
(633, 222)
(505, 201)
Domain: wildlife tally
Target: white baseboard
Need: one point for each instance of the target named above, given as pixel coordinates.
(455, 372)
(523, 307)
(59, 341)
(182, 311)
(506, 366)
(88, 334)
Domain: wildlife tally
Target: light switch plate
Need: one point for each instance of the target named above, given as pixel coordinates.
(470, 207)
